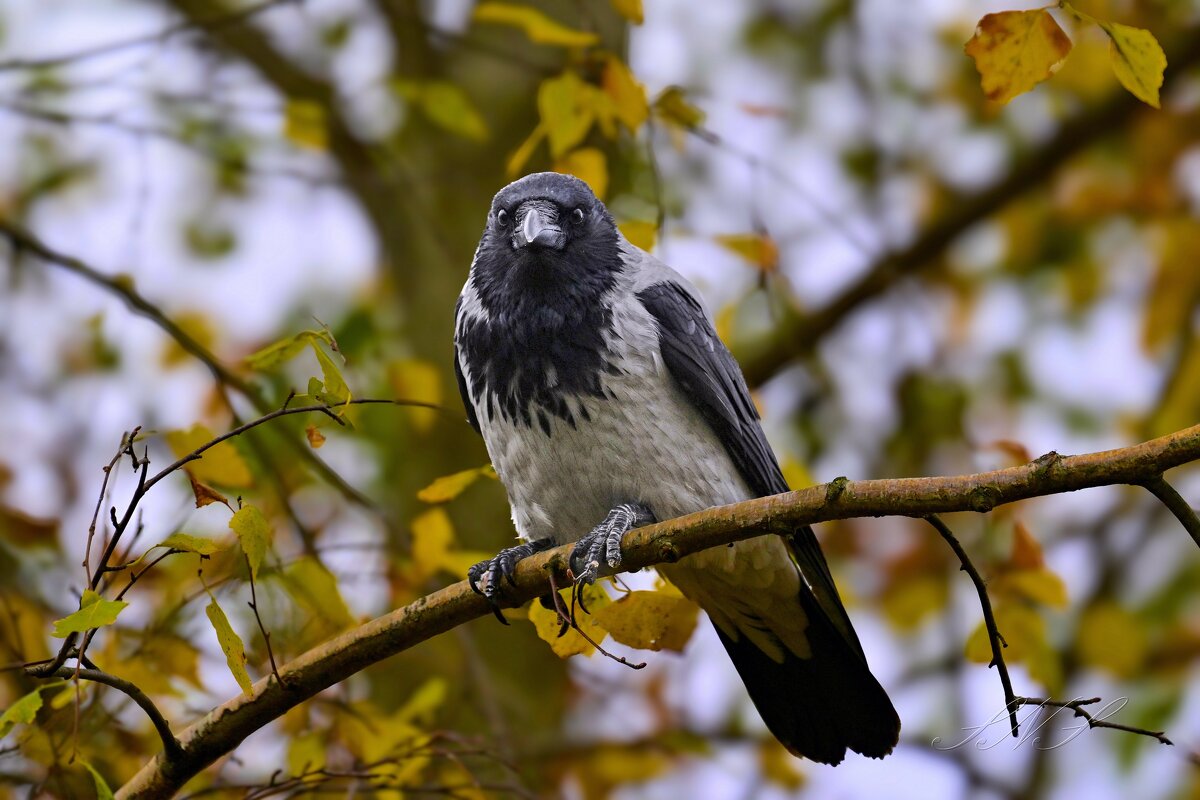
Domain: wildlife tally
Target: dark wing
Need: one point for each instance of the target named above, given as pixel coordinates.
(460, 378)
(710, 378)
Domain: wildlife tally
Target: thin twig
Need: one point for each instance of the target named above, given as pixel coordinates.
(1078, 707)
(989, 619)
(261, 627)
(1175, 503)
(170, 743)
(567, 617)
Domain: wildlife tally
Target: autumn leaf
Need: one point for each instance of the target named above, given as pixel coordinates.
(640, 233)
(94, 612)
(589, 165)
(1022, 627)
(537, 26)
(628, 96)
(254, 533)
(545, 622)
(284, 350)
(314, 436)
(630, 10)
(231, 645)
(204, 494)
(650, 620)
(757, 248)
(1111, 638)
(221, 464)
(196, 325)
(1026, 551)
(416, 379)
(567, 111)
(190, 544)
(433, 535)
(304, 124)
(311, 584)
(672, 106)
(446, 105)
(1016, 50)
(451, 486)
(103, 790)
(1138, 60)
(335, 390)
(516, 162)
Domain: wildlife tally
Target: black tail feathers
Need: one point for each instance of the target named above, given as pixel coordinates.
(818, 707)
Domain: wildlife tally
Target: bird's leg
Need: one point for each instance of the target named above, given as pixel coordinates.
(495, 570)
(603, 544)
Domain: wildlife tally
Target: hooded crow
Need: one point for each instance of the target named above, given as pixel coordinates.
(607, 401)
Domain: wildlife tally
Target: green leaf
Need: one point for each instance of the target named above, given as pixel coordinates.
(231, 645)
(284, 350)
(1016, 50)
(537, 26)
(304, 124)
(94, 612)
(336, 391)
(190, 544)
(254, 532)
(446, 105)
(1137, 59)
(315, 588)
(103, 792)
(21, 712)
(567, 111)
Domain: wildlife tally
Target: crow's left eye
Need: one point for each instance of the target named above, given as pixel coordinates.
(502, 218)
(577, 215)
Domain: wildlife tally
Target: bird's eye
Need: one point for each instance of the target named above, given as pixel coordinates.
(577, 215)
(502, 218)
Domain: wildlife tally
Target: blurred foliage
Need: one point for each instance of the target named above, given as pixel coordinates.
(967, 363)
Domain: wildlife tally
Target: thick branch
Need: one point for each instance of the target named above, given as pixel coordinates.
(796, 333)
(225, 727)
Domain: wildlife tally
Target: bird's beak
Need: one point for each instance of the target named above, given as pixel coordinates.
(539, 228)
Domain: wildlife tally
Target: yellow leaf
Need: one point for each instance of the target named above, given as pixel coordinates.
(1016, 50)
(304, 124)
(537, 26)
(1111, 638)
(94, 612)
(516, 162)
(589, 165)
(254, 532)
(315, 588)
(628, 96)
(314, 436)
(190, 544)
(567, 111)
(414, 379)
(451, 486)
(796, 474)
(433, 534)
(639, 233)
(306, 751)
(220, 464)
(779, 766)
(1021, 626)
(672, 106)
(196, 325)
(231, 645)
(423, 703)
(908, 602)
(1137, 59)
(1039, 585)
(630, 10)
(545, 622)
(757, 248)
(649, 620)
(447, 106)
(22, 712)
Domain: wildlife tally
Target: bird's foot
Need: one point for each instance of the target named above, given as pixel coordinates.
(493, 572)
(603, 544)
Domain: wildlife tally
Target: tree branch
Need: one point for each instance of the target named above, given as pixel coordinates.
(220, 731)
(1093, 722)
(1175, 503)
(796, 333)
(170, 743)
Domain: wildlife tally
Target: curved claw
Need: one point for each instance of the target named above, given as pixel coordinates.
(487, 577)
(603, 544)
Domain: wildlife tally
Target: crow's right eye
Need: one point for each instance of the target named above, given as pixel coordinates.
(502, 218)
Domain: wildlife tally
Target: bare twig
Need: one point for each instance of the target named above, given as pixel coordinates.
(1077, 706)
(261, 627)
(567, 618)
(989, 618)
(1175, 503)
(171, 746)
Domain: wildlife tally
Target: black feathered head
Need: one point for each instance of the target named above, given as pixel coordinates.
(547, 234)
